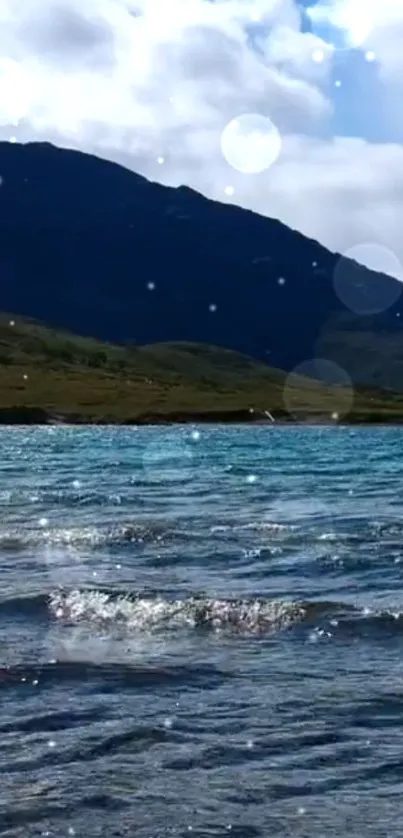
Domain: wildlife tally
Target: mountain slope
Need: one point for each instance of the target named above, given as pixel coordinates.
(89, 246)
(47, 373)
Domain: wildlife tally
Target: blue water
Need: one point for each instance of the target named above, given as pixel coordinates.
(201, 632)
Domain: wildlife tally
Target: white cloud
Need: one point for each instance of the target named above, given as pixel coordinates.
(140, 80)
(349, 178)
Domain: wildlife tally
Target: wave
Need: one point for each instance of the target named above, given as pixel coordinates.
(87, 536)
(343, 531)
(112, 675)
(137, 613)
(150, 613)
(122, 533)
(259, 526)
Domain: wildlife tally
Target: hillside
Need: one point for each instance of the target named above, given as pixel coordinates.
(88, 246)
(50, 375)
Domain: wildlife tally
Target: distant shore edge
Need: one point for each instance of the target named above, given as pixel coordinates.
(26, 415)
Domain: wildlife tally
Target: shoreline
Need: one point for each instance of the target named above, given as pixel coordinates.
(30, 416)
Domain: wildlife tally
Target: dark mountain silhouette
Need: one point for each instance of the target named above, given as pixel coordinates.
(81, 239)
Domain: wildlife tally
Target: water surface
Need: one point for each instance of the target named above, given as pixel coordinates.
(201, 632)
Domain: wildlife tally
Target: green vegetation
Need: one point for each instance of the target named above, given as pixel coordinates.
(369, 353)
(49, 374)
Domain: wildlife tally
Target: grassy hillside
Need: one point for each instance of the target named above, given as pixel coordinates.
(368, 353)
(85, 380)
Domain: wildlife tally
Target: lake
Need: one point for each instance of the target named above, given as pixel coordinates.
(201, 631)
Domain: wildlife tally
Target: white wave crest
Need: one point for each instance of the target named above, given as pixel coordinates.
(93, 536)
(151, 614)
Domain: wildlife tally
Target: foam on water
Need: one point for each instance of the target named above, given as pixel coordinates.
(90, 536)
(150, 614)
(139, 615)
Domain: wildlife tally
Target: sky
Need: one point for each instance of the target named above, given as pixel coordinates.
(289, 110)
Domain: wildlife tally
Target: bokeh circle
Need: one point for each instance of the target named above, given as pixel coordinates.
(15, 92)
(318, 390)
(367, 292)
(342, 24)
(251, 143)
(171, 457)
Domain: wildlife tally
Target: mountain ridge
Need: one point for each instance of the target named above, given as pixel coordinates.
(88, 245)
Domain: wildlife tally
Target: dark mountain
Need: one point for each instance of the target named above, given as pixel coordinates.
(81, 239)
